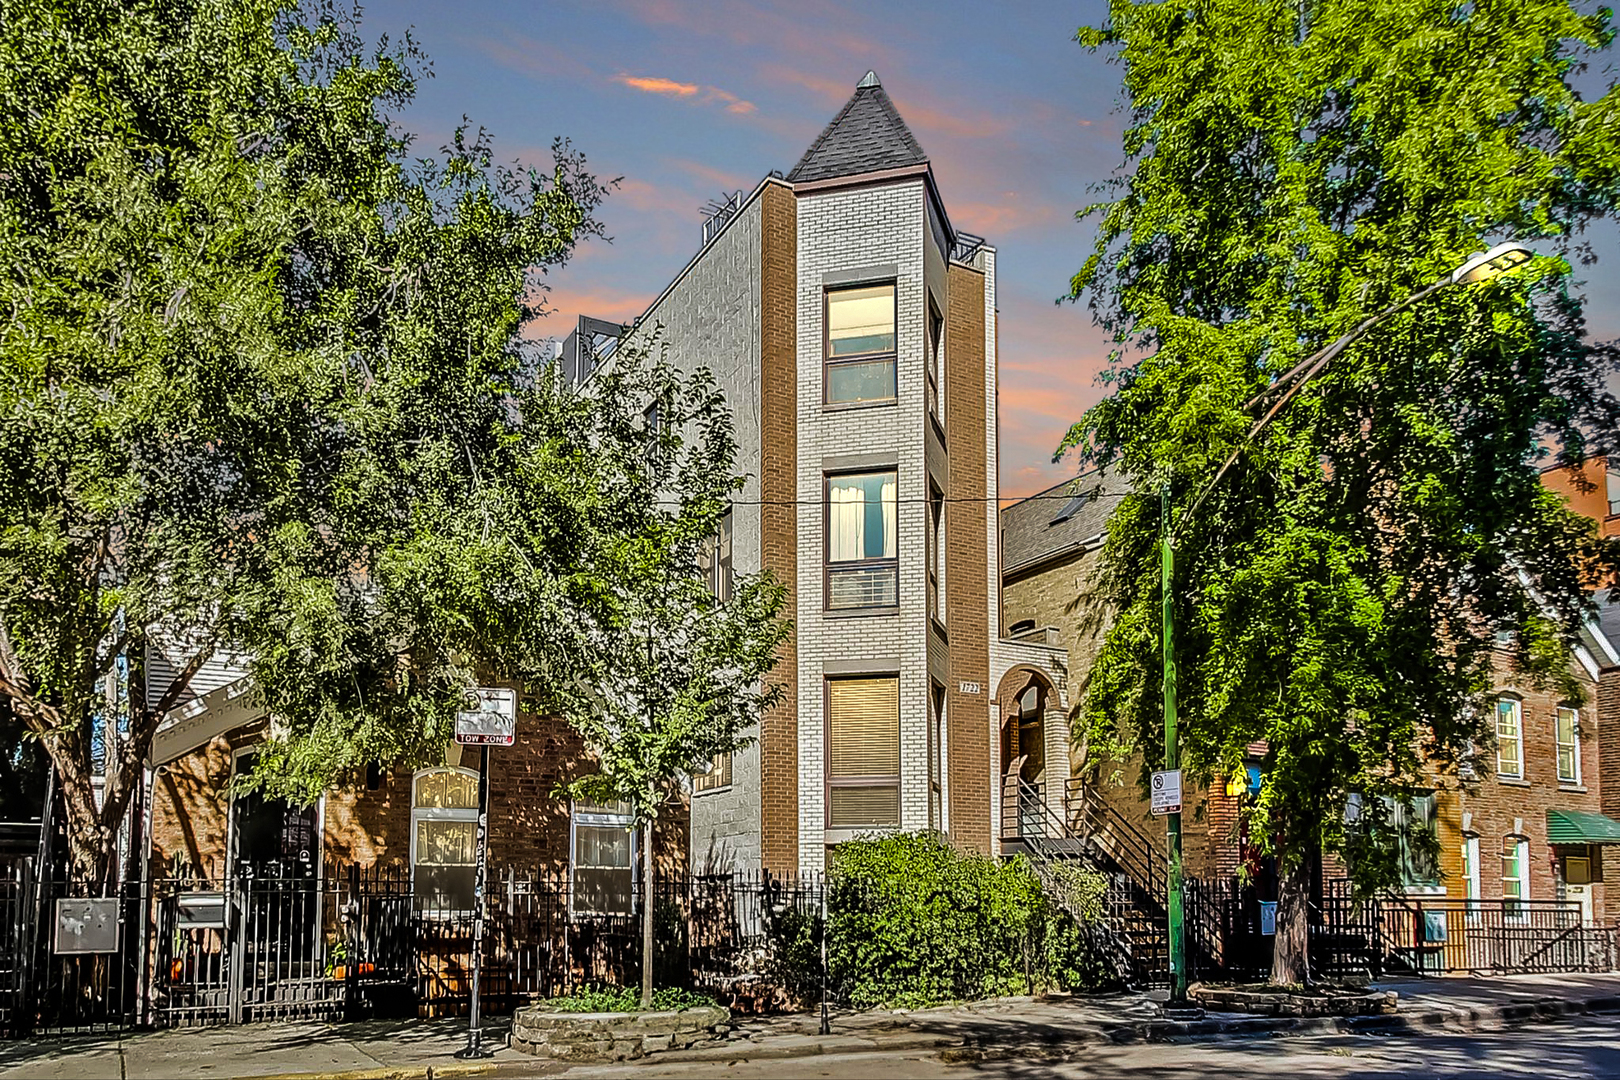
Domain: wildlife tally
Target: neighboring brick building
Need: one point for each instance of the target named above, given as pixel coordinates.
(1528, 820)
(853, 331)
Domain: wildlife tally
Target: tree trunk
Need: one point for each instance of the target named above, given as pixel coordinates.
(1291, 961)
(647, 918)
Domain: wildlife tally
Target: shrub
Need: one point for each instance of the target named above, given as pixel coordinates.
(913, 922)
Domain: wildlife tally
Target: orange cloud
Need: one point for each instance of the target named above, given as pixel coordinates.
(655, 85)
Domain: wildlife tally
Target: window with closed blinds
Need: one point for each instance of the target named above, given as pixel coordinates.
(863, 753)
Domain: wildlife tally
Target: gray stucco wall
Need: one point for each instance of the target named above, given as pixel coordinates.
(710, 317)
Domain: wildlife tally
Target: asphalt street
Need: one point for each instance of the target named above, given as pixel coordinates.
(1589, 1047)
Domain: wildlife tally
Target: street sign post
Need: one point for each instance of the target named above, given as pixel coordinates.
(1166, 793)
(493, 723)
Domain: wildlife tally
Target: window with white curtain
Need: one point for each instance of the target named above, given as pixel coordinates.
(862, 541)
(1567, 734)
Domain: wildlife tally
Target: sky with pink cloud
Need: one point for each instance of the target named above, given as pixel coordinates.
(684, 101)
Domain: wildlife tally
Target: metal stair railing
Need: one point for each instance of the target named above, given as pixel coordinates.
(1132, 850)
(1113, 836)
(1043, 833)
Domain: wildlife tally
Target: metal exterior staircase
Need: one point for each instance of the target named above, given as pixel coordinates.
(1093, 832)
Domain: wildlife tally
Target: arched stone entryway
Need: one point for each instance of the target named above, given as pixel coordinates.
(1033, 758)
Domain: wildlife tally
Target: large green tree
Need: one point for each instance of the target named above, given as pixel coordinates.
(1293, 166)
(252, 354)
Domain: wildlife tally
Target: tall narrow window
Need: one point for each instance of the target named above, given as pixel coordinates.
(444, 838)
(863, 753)
(715, 561)
(1471, 885)
(604, 859)
(1567, 733)
(860, 344)
(936, 758)
(1510, 738)
(936, 554)
(1515, 876)
(862, 538)
(936, 364)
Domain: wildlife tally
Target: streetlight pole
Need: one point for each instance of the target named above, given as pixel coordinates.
(1172, 751)
(1498, 260)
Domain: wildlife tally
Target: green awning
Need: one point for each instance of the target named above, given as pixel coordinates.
(1581, 827)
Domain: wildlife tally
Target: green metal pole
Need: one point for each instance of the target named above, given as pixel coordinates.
(1172, 760)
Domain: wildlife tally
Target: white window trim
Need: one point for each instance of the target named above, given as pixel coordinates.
(1575, 737)
(1472, 891)
(576, 818)
(438, 813)
(1518, 713)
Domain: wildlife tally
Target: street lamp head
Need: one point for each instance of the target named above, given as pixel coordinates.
(1499, 260)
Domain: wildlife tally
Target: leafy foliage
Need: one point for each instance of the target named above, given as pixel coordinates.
(914, 922)
(253, 357)
(1292, 168)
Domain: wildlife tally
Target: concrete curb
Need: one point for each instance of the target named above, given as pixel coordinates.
(964, 1049)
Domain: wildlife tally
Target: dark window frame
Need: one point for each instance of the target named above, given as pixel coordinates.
(827, 360)
(857, 564)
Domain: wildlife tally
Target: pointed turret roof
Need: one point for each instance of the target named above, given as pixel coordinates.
(866, 136)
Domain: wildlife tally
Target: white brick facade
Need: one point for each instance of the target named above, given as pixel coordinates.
(840, 233)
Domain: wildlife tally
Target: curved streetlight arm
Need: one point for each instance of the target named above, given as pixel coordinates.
(1300, 374)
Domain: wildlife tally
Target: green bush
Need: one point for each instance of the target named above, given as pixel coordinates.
(626, 999)
(914, 922)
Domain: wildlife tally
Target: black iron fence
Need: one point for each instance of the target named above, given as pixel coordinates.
(352, 943)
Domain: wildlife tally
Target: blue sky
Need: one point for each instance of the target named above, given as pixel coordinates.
(687, 100)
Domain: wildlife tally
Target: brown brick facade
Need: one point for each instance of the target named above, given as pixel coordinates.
(778, 484)
(1500, 806)
(967, 555)
(528, 824)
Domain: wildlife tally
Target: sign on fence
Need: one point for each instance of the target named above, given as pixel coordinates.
(199, 911)
(87, 925)
(1166, 793)
(493, 723)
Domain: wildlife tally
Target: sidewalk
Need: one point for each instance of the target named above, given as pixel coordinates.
(1021, 1027)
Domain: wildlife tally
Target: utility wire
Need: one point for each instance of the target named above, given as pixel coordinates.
(908, 500)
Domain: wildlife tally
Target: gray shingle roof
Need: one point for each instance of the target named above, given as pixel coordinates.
(866, 136)
(1059, 518)
(1608, 614)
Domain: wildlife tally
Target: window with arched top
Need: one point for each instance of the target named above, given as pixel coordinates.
(444, 838)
